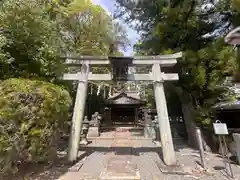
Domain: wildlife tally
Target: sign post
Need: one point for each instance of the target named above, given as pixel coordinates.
(200, 146)
(221, 130)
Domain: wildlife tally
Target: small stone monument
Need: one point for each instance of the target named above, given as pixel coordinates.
(94, 126)
(156, 129)
(148, 129)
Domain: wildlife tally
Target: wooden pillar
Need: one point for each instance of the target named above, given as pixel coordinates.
(145, 115)
(91, 91)
(104, 92)
(110, 117)
(99, 89)
(78, 113)
(169, 157)
(110, 92)
(136, 116)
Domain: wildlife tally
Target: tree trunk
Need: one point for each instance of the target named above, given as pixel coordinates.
(188, 115)
(187, 110)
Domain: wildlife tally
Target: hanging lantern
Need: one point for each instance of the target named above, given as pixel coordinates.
(120, 67)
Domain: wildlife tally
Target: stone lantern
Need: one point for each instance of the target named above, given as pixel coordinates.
(83, 135)
(94, 126)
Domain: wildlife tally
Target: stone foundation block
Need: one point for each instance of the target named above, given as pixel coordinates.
(236, 138)
(93, 132)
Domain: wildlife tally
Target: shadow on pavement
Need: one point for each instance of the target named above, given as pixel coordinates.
(135, 151)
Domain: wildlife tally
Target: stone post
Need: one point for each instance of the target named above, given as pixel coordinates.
(83, 136)
(78, 113)
(145, 116)
(136, 117)
(148, 128)
(236, 138)
(108, 117)
(156, 129)
(169, 157)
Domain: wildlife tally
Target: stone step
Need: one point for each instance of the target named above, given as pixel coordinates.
(122, 177)
(128, 127)
(113, 138)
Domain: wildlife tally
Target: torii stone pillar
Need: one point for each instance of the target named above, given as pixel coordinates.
(78, 113)
(163, 120)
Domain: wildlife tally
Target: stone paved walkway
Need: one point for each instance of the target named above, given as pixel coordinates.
(124, 158)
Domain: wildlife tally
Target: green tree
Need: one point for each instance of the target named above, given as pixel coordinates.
(91, 31)
(196, 28)
(32, 118)
(35, 34)
(191, 27)
(31, 42)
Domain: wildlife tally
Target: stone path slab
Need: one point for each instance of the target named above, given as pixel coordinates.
(120, 167)
(121, 143)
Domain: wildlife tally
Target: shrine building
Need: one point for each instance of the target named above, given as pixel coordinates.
(123, 109)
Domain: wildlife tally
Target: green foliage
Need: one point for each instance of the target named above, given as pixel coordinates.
(196, 28)
(32, 114)
(206, 72)
(236, 5)
(35, 33)
(149, 96)
(91, 31)
(30, 41)
(94, 103)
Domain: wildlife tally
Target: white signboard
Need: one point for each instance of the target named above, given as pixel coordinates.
(220, 128)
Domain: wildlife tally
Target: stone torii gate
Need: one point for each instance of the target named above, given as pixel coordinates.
(119, 66)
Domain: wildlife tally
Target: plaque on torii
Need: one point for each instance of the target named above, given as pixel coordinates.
(119, 66)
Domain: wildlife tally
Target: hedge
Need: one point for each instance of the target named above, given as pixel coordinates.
(32, 114)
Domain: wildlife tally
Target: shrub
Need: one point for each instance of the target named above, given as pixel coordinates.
(32, 114)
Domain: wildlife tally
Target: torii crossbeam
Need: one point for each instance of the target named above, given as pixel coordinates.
(156, 76)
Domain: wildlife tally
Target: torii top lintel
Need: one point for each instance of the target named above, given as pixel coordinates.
(163, 60)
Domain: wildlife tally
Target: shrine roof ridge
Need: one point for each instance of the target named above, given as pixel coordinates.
(124, 94)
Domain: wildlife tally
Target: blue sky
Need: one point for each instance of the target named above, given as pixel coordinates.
(108, 5)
